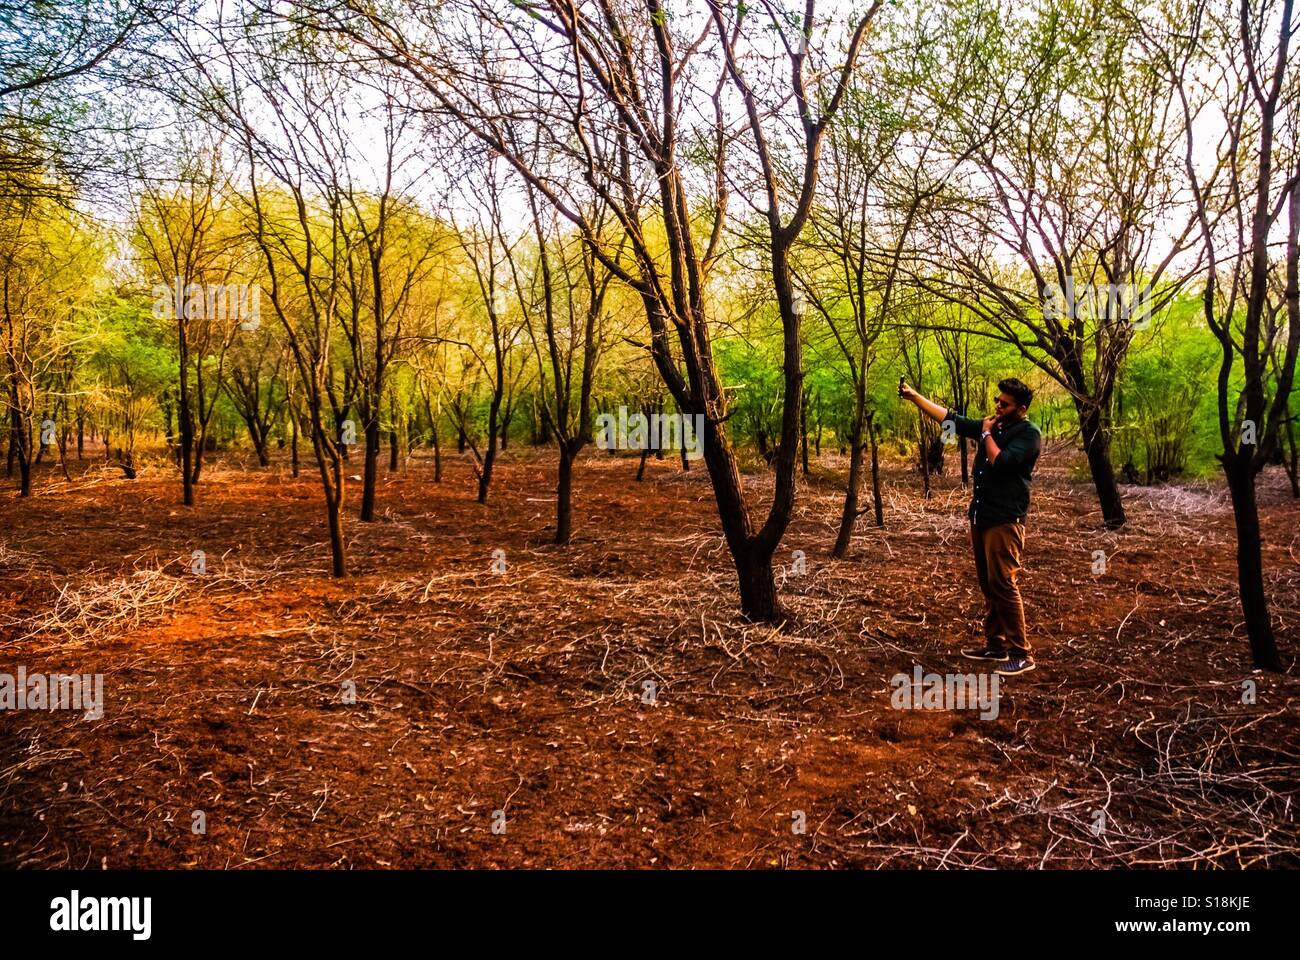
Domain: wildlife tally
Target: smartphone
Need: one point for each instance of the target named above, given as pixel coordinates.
(900, 386)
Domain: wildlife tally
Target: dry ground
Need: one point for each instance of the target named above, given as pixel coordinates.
(524, 692)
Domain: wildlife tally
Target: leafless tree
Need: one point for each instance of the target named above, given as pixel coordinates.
(616, 91)
(1251, 299)
(1076, 191)
(178, 231)
(295, 207)
(572, 318)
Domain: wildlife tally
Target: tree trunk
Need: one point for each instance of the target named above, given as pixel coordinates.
(21, 439)
(392, 450)
(335, 488)
(490, 454)
(63, 441)
(803, 434)
(437, 455)
(338, 553)
(758, 599)
(173, 449)
(1250, 566)
(24, 476)
(187, 450)
(185, 418)
(564, 497)
(1292, 462)
(1096, 443)
(877, 501)
(486, 462)
(293, 442)
(258, 436)
(923, 453)
(485, 474)
(849, 515)
(370, 475)
(208, 445)
(753, 560)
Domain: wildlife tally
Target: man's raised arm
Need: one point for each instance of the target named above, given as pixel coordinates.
(924, 404)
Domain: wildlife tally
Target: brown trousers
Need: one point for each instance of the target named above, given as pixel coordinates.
(997, 561)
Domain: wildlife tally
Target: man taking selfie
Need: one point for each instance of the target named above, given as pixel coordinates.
(1008, 448)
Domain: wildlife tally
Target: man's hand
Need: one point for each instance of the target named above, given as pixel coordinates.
(927, 407)
(990, 446)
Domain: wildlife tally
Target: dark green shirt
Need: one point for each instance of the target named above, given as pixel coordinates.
(1001, 488)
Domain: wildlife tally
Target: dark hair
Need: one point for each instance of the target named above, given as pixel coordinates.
(1017, 391)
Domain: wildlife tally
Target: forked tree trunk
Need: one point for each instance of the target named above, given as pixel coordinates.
(257, 434)
(752, 559)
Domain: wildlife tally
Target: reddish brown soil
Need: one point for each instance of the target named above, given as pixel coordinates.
(524, 691)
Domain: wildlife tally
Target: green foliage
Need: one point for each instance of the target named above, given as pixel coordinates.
(1166, 420)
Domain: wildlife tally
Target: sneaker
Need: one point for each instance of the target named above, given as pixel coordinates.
(1015, 665)
(984, 653)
